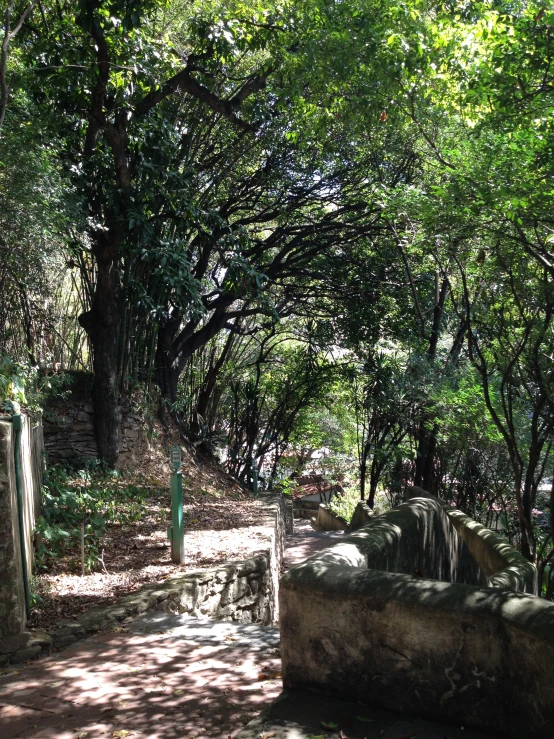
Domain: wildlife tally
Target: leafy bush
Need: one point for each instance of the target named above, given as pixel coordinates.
(94, 496)
(345, 504)
(21, 384)
(287, 486)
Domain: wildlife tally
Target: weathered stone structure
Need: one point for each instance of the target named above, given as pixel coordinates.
(69, 426)
(12, 597)
(326, 520)
(69, 433)
(424, 611)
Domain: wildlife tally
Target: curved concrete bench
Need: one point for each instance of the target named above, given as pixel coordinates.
(418, 612)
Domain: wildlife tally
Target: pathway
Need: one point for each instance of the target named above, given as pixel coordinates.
(164, 676)
(305, 542)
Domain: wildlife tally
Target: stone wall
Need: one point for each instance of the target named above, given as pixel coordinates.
(12, 599)
(361, 517)
(238, 591)
(503, 566)
(370, 619)
(328, 521)
(305, 508)
(69, 434)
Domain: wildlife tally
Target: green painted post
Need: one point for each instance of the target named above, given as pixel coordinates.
(177, 528)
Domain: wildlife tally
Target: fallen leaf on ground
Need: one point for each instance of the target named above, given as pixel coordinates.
(121, 733)
(329, 725)
(365, 720)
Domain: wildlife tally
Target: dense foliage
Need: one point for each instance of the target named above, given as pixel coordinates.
(321, 233)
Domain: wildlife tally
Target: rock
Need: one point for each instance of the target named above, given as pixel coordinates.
(66, 635)
(40, 639)
(11, 644)
(63, 640)
(22, 655)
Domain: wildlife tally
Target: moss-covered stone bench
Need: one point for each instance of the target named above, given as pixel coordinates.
(424, 611)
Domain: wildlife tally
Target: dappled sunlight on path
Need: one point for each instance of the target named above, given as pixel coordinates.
(168, 676)
(305, 542)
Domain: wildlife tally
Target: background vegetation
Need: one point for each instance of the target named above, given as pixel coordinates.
(298, 226)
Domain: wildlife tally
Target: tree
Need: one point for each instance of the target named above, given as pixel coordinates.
(11, 26)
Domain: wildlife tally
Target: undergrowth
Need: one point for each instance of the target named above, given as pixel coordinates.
(92, 496)
(345, 504)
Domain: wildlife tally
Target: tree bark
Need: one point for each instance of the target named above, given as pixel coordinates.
(427, 446)
(102, 326)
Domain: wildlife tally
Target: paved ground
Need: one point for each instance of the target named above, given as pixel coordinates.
(305, 542)
(161, 676)
(168, 676)
(307, 716)
(172, 677)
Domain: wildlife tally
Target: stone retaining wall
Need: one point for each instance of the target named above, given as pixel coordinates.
(69, 433)
(397, 615)
(502, 565)
(238, 591)
(305, 508)
(327, 520)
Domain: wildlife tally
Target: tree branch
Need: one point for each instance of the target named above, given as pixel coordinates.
(8, 36)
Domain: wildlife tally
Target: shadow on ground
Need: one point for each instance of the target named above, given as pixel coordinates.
(167, 676)
(303, 715)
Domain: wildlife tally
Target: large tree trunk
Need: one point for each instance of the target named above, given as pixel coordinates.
(425, 460)
(210, 381)
(427, 446)
(168, 373)
(167, 376)
(102, 326)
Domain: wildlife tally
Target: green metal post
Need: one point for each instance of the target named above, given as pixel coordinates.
(177, 529)
(17, 424)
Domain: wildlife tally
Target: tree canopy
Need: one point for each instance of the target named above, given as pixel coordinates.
(294, 226)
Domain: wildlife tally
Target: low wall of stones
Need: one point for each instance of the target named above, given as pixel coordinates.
(400, 614)
(238, 591)
(328, 521)
(12, 598)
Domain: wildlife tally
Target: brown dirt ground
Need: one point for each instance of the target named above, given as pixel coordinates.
(217, 512)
